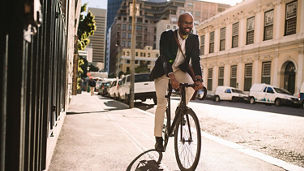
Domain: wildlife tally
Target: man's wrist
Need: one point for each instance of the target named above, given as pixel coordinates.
(171, 75)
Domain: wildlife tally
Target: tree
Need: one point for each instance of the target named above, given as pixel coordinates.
(86, 27)
(142, 68)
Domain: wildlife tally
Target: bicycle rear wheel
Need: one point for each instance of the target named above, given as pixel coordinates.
(187, 141)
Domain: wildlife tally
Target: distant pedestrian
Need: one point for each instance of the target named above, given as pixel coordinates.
(92, 84)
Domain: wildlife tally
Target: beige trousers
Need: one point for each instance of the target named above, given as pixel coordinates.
(161, 86)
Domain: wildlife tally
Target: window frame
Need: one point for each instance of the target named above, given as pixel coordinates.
(268, 25)
(235, 35)
(250, 30)
(211, 42)
(222, 38)
(291, 18)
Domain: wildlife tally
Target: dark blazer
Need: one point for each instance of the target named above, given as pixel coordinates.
(168, 51)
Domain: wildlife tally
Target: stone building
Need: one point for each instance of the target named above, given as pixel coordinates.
(146, 56)
(256, 41)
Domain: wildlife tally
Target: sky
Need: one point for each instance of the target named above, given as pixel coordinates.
(103, 3)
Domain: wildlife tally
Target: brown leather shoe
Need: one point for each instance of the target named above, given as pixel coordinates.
(159, 144)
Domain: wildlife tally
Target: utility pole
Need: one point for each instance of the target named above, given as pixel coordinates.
(132, 70)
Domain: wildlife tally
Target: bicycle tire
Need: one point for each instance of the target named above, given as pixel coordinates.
(135, 162)
(180, 144)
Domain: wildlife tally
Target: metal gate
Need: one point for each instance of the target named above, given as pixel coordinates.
(33, 80)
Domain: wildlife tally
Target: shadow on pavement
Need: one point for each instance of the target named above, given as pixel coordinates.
(147, 161)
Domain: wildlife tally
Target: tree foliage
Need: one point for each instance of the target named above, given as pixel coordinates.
(142, 68)
(86, 27)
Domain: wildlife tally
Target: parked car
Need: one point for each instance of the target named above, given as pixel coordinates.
(113, 91)
(269, 94)
(230, 93)
(301, 95)
(143, 88)
(104, 87)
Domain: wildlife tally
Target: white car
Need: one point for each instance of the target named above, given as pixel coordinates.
(143, 88)
(229, 93)
(113, 91)
(265, 93)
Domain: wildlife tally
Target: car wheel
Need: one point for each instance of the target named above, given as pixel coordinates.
(127, 99)
(155, 100)
(217, 98)
(234, 99)
(303, 104)
(277, 102)
(251, 100)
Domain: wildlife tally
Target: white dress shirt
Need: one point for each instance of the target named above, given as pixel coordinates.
(179, 56)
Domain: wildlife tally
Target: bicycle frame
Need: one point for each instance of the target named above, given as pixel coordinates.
(178, 115)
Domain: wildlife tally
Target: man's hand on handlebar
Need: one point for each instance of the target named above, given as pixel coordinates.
(198, 82)
(173, 81)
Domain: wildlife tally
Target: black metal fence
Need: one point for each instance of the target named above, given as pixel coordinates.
(33, 81)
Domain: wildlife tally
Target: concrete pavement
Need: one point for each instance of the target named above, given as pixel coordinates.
(104, 135)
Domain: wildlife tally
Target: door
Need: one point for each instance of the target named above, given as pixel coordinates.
(289, 77)
(269, 95)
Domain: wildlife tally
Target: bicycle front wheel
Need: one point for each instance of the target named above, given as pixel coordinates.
(187, 141)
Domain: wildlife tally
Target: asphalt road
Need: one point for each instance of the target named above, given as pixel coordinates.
(275, 131)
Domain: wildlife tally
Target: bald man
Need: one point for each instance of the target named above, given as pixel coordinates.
(174, 66)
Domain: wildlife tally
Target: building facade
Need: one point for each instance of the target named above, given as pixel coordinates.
(98, 40)
(256, 41)
(146, 56)
(201, 11)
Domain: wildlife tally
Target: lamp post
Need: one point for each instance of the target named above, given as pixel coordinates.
(132, 70)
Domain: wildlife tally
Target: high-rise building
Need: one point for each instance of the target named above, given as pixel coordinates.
(149, 14)
(113, 6)
(97, 41)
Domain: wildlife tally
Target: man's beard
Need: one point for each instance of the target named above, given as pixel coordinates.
(183, 31)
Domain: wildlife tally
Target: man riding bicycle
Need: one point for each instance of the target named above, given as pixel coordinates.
(176, 49)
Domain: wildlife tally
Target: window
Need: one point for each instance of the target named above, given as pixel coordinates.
(248, 77)
(128, 61)
(235, 35)
(209, 84)
(136, 61)
(268, 25)
(250, 31)
(123, 35)
(211, 42)
(221, 76)
(124, 27)
(266, 71)
(202, 45)
(291, 18)
(138, 28)
(233, 74)
(222, 38)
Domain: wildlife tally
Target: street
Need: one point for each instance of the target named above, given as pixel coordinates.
(276, 131)
(102, 134)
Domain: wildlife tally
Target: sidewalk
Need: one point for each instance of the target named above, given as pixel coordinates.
(89, 139)
(101, 134)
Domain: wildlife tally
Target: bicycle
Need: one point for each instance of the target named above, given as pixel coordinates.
(186, 131)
